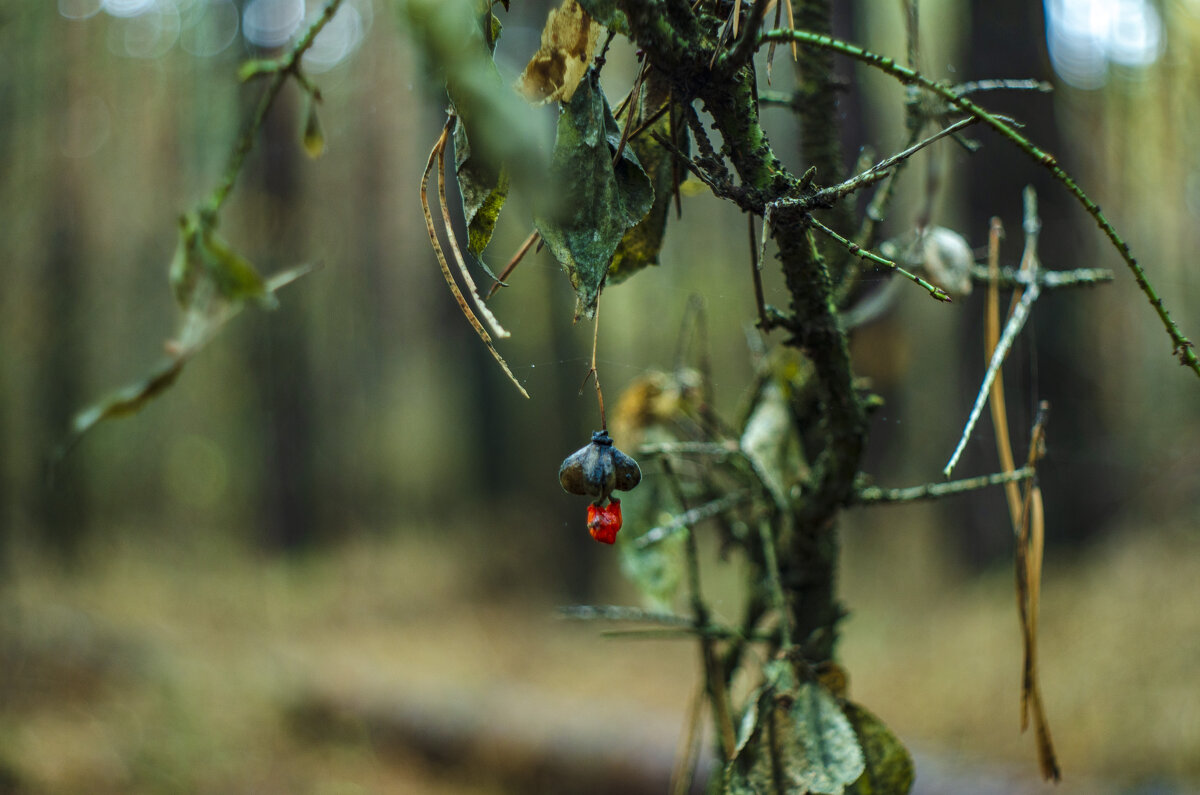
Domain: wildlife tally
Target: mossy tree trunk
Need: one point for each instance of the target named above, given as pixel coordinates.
(681, 44)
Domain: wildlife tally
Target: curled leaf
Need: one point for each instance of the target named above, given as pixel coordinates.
(203, 258)
(794, 740)
(640, 246)
(568, 41)
(483, 188)
(889, 766)
(592, 201)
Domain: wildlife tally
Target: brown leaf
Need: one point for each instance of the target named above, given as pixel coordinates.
(568, 41)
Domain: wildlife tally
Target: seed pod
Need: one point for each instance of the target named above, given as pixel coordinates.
(598, 468)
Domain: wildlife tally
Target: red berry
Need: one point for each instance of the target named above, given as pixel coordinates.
(604, 521)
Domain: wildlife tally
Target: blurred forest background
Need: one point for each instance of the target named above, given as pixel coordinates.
(327, 559)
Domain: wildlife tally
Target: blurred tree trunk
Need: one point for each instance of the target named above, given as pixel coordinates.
(1008, 40)
(283, 372)
(60, 511)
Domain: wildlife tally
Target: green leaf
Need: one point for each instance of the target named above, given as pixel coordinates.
(606, 13)
(794, 740)
(889, 767)
(203, 258)
(591, 201)
(483, 188)
(641, 244)
(483, 185)
(128, 400)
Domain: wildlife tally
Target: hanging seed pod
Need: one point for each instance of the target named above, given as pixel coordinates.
(598, 468)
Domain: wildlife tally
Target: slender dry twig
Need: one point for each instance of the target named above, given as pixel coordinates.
(976, 86)
(874, 495)
(828, 196)
(858, 251)
(534, 237)
(1015, 323)
(756, 275)
(1049, 280)
(592, 371)
(717, 693)
(1182, 347)
(690, 518)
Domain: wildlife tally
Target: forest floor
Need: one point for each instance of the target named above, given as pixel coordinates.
(391, 666)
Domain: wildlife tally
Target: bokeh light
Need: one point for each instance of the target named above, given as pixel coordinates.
(1085, 36)
(271, 23)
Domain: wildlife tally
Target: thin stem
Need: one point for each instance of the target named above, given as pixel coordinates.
(748, 42)
(1011, 330)
(775, 581)
(717, 693)
(873, 495)
(756, 275)
(1183, 348)
(289, 66)
(690, 518)
(596, 373)
(534, 236)
(1049, 280)
(827, 196)
(858, 251)
(976, 86)
(623, 613)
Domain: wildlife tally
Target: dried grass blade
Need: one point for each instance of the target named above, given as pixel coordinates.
(991, 340)
(436, 156)
(494, 324)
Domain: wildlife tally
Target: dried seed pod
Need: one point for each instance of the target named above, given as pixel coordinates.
(598, 468)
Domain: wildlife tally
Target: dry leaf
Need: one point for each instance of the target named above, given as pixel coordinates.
(568, 41)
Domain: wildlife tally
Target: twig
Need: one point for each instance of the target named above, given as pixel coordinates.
(722, 450)
(756, 275)
(622, 613)
(1049, 280)
(534, 236)
(975, 86)
(826, 197)
(690, 518)
(775, 583)
(873, 495)
(287, 66)
(858, 251)
(717, 693)
(592, 371)
(633, 107)
(744, 49)
(1011, 329)
(1182, 347)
